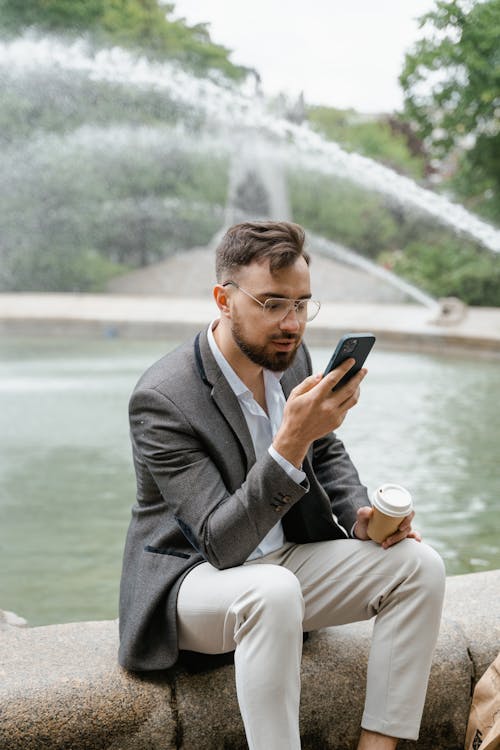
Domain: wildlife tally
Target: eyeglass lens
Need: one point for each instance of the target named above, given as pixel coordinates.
(278, 308)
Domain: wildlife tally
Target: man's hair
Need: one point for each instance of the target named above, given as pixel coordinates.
(281, 242)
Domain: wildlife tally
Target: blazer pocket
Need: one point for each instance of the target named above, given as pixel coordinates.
(166, 551)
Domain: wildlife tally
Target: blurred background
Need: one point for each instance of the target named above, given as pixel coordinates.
(132, 133)
(128, 134)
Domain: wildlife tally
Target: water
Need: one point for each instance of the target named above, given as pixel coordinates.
(66, 479)
(340, 253)
(226, 111)
(67, 485)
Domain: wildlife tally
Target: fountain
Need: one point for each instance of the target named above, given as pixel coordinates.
(93, 89)
(259, 179)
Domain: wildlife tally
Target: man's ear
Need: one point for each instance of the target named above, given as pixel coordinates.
(222, 299)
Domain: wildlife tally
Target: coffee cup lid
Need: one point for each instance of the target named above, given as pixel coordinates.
(393, 500)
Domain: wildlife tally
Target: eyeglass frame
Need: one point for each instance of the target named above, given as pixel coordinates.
(293, 303)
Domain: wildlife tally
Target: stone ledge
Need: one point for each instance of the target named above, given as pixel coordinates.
(401, 326)
(61, 687)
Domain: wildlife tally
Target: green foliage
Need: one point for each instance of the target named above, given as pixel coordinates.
(140, 24)
(61, 269)
(410, 245)
(99, 177)
(133, 195)
(73, 178)
(139, 232)
(451, 81)
(54, 15)
(476, 180)
(61, 103)
(450, 268)
(145, 23)
(99, 165)
(370, 136)
(342, 212)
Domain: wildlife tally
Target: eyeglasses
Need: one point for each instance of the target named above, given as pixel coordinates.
(277, 308)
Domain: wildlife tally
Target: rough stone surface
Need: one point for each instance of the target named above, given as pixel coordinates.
(473, 602)
(211, 724)
(61, 687)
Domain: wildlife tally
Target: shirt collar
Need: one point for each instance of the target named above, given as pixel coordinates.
(237, 385)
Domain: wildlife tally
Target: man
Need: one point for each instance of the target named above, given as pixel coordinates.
(250, 525)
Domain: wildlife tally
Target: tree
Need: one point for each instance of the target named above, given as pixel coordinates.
(143, 24)
(52, 15)
(451, 81)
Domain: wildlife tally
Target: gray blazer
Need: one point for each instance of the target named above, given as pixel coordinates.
(202, 496)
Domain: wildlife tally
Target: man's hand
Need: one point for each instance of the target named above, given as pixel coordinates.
(313, 410)
(404, 531)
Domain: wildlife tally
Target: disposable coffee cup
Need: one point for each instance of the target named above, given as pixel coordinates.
(391, 503)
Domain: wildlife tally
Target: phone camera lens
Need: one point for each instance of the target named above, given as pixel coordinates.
(349, 346)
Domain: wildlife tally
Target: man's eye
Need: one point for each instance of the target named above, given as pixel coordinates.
(273, 305)
(301, 305)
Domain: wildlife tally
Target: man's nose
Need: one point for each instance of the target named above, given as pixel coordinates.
(291, 321)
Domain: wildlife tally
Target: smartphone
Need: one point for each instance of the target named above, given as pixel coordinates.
(352, 345)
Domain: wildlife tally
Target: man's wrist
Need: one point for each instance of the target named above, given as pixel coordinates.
(297, 474)
(290, 448)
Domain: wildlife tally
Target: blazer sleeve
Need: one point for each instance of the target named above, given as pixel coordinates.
(223, 523)
(339, 478)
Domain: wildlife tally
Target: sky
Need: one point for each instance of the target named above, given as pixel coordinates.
(343, 53)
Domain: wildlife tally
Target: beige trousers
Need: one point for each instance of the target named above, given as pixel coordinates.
(260, 610)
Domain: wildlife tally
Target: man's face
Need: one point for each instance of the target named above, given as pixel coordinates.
(268, 342)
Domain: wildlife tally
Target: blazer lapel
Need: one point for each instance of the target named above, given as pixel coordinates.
(223, 395)
(289, 381)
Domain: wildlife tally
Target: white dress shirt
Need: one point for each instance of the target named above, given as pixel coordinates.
(262, 429)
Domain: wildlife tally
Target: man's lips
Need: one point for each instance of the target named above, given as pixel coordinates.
(285, 344)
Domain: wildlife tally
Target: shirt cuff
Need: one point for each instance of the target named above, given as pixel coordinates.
(297, 475)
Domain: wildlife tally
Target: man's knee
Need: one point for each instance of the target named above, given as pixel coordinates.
(274, 596)
(280, 589)
(428, 568)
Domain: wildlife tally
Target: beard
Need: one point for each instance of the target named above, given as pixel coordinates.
(274, 361)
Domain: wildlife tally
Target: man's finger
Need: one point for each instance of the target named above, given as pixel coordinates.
(405, 525)
(333, 377)
(306, 385)
(400, 535)
(414, 534)
(364, 513)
